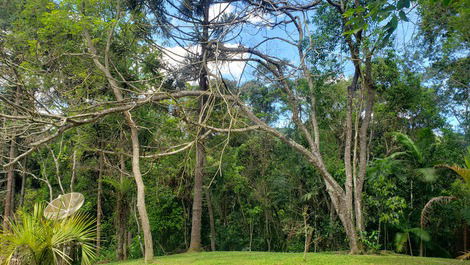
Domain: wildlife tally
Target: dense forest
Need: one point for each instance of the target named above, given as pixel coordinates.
(236, 125)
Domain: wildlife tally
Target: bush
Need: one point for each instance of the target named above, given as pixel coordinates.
(34, 240)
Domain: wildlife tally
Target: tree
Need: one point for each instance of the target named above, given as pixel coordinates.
(348, 200)
(68, 43)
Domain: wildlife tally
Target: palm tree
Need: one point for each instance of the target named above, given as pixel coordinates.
(415, 156)
(34, 240)
(123, 189)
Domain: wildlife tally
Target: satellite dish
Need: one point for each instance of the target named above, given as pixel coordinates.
(64, 206)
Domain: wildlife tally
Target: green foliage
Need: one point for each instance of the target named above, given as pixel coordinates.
(258, 184)
(414, 152)
(403, 238)
(371, 241)
(33, 239)
(383, 13)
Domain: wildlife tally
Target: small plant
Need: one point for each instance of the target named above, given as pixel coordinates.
(34, 240)
(370, 240)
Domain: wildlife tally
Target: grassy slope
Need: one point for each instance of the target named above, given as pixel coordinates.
(264, 258)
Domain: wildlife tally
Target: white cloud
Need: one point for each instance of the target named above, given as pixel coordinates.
(260, 18)
(175, 59)
(219, 10)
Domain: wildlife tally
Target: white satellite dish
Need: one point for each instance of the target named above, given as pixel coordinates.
(64, 206)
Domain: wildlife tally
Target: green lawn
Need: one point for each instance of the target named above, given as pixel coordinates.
(265, 258)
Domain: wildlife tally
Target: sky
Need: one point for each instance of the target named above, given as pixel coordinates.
(251, 35)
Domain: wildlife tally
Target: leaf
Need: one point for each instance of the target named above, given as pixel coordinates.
(421, 234)
(403, 4)
(396, 154)
(429, 206)
(403, 16)
(353, 21)
(400, 240)
(353, 31)
(36, 238)
(406, 141)
(388, 8)
(464, 256)
(462, 172)
(467, 158)
(349, 12)
(446, 2)
(392, 24)
(427, 174)
(466, 214)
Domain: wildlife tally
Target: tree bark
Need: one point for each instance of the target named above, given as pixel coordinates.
(99, 211)
(9, 204)
(23, 183)
(141, 207)
(211, 219)
(195, 244)
(122, 210)
(74, 170)
(363, 146)
(10, 194)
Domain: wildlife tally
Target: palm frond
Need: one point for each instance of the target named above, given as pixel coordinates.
(34, 239)
(463, 172)
(400, 240)
(409, 144)
(124, 186)
(467, 158)
(428, 207)
(420, 233)
(464, 256)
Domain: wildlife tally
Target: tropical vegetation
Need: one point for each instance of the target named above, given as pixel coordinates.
(251, 125)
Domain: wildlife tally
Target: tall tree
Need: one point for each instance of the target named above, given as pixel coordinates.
(362, 45)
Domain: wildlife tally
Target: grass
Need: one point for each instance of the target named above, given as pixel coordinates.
(271, 258)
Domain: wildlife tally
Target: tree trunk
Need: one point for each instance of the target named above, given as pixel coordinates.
(119, 227)
(74, 170)
(465, 236)
(211, 219)
(23, 183)
(99, 211)
(195, 244)
(363, 139)
(349, 226)
(141, 207)
(122, 210)
(307, 233)
(10, 194)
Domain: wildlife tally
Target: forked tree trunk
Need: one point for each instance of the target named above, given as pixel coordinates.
(347, 220)
(141, 207)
